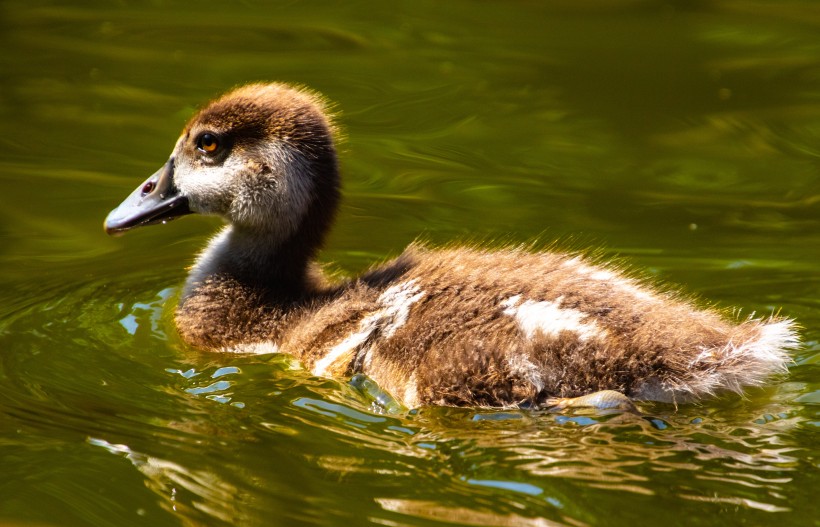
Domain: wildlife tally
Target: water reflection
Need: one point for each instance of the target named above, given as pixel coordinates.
(522, 463)
(147, 316)
(435, 511)
(190, 494)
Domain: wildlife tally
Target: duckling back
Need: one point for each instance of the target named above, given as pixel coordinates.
(500, 328)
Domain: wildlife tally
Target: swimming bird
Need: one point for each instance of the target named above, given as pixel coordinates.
(449, 326)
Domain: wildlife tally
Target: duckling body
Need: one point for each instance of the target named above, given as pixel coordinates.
(455, 326)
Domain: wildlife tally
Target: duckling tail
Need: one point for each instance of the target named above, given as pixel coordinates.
(755, 350)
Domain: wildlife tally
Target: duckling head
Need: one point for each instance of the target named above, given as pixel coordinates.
(261, 157)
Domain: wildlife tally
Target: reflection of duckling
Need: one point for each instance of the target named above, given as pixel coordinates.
(459, 326)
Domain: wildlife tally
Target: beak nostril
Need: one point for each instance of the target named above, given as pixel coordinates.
(148, 187)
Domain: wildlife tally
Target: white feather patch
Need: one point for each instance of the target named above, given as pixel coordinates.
(616, 280)
(397, 301)
(550, 318)
(411, 392)
(395, 305)
(346, 347)
(522, 367)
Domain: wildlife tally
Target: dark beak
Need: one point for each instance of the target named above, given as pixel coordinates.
(157, 200)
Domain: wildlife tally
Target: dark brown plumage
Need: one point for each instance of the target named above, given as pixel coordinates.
(458, 326)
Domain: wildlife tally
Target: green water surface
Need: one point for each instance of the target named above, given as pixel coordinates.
(681, 136)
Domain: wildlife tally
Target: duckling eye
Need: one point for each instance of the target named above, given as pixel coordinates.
(207, 143)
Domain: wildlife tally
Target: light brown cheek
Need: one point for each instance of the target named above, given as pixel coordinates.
(254, 166)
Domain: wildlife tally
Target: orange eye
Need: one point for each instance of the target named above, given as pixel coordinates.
(207, 143)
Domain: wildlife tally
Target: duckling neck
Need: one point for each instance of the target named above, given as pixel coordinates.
(277, 270)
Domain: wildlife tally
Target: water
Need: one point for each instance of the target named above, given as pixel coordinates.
(680, 136)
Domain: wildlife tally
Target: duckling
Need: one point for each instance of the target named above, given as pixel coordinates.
(461, 326)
